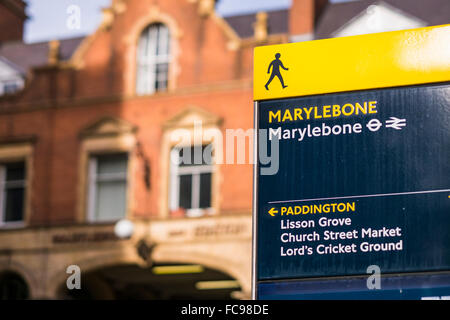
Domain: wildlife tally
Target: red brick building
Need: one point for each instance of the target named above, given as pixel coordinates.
(88, 128)
(86, 136)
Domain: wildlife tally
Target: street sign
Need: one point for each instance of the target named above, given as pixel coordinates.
(360, 130)
(404, 287)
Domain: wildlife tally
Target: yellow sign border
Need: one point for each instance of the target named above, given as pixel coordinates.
(379, 60)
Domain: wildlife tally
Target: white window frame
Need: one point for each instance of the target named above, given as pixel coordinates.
(93, 178)
(4, 82)
(195, 171)
(4, 185)
(153, 37)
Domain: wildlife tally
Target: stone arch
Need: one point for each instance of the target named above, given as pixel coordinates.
(212, 258)
(87, 264)
(34, 289)
(180, 254)
(153, 16)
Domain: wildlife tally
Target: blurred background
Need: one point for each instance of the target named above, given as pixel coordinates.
(103, 105)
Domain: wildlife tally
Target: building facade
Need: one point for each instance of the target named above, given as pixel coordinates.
(89, 130)
(99, 129)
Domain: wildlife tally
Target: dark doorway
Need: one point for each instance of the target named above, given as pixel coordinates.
(160, 282)
(13, 287)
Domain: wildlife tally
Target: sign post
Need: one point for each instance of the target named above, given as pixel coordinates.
(352, 173)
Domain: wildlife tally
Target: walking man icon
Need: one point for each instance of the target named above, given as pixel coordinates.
(275, 65)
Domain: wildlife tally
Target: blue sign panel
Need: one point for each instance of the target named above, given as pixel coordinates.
(423, 287)
(362, 179)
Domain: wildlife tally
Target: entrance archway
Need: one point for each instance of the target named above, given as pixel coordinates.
(13, 287)
(158, 282)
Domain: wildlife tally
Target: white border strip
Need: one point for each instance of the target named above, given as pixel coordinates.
(364, 196)
(255, 199)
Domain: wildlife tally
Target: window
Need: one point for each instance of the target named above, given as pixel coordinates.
(12, 193)
(10, 86)
(153, 58)
(191, 179)
(108, 187)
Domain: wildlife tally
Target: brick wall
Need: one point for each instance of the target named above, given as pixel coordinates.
(60, 101)
(12, 18)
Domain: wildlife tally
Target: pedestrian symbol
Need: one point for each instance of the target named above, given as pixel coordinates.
(275, 66)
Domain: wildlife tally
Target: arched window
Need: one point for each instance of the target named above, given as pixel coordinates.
(153, 58)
